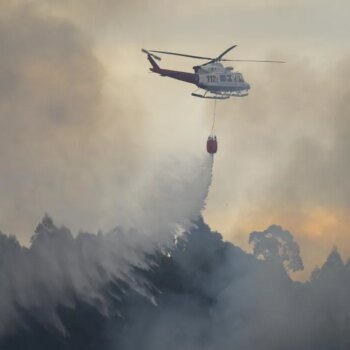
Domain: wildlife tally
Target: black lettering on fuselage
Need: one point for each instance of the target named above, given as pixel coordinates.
(212, 78)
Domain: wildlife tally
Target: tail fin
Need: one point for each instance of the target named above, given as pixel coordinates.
(155, 67)
(151, 56)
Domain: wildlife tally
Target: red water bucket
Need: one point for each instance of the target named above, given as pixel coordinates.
(212, 145)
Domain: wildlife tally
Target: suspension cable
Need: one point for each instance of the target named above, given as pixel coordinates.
(214, 117)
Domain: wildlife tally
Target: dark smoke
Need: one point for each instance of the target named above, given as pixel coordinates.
(201, 293)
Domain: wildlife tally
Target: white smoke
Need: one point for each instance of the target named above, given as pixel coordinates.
(169, 196)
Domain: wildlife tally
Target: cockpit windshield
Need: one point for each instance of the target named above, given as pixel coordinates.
(239, 77)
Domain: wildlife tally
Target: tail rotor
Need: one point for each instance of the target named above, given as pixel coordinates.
(151, 54)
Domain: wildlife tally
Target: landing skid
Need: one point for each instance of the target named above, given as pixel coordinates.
(215, 97)
(220, 95)
(242, 94)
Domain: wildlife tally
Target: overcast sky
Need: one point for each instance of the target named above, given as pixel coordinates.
(83, 125)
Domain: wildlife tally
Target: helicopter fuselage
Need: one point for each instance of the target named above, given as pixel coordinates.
(215, 78)
(212, 77)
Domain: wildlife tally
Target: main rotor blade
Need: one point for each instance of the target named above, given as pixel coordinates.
(254, 61)
(182, 54)
(224, 53)
(211, 60)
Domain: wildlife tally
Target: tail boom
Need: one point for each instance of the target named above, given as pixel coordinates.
(183, 76)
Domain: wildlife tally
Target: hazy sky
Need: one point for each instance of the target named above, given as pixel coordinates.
(83, 125)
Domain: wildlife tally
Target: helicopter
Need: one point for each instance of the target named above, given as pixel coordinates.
(212, 78)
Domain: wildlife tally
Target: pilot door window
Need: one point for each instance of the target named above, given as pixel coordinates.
(225, 78)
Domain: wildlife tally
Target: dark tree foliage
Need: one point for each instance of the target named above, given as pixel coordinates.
(201, 293)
